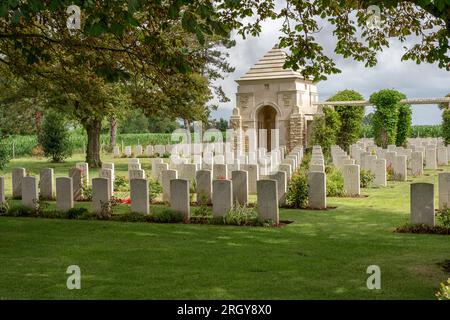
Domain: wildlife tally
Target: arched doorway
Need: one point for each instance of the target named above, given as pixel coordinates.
(266, 120)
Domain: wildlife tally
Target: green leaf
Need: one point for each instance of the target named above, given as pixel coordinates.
(133, 6)
(117, 29)
(97, 29)
(3, 10)
(174, 9)
(15, 19)
(13, 3)
(200, 37)
(189, 22)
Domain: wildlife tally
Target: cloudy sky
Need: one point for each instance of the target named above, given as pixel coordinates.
(416, 81)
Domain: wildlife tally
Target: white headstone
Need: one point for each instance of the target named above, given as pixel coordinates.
(179, 197)
(204, 186)
(422, 204)
(352, 179)
(101, 193)
(140, 200)
(17, 176)
(222, 197)
(268, 200)
(317, 191)
(64, 194)
(240, 186)
(30, 195)
(166, 177)
(46, 184)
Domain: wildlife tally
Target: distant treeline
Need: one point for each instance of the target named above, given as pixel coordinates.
(425, 131)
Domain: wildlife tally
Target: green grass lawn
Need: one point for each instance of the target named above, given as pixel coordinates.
(321, 255)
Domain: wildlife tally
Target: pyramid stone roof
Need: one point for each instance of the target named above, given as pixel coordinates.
(270, 67)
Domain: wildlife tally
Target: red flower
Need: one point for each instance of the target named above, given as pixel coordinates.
(122, 201)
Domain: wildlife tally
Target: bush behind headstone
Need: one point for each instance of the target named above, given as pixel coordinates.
(4, 155)
(55, 138)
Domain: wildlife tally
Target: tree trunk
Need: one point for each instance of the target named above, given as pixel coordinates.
(93, 129)
(38, 122)
(187, 124)
(112, 132)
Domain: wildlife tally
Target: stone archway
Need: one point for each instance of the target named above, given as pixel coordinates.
(266, 119)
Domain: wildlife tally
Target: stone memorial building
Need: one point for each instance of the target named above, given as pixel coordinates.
(270, 97)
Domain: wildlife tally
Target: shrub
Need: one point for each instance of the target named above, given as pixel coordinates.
(121, 183)
(167, 216)
(54, 137)
(443, 216)
(326, 129)
(351, 118)
(4, 155)
(444, 291)
(107, 209)
(305, 161)
(403, 124)
(446, 126)
(132, 217)
(87, 192)
(335, 182)
(390, 173)
(423, 229)
(76, 213)
(241, 215)
(37, 151)
(385, 119)
(202, 211)
(4, 208)
(21, 211)
(297, 193)
(154, 189)
(366, 178)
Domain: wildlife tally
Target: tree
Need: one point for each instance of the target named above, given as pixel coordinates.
(20, 106)
(326, 129)
(143, 50)
(220, 124)
(445, 121)
(161, 124)
(355, 27)
(367, 120)
(351, 118)
(4, 155)
(385, 119)
(360, 31)
(55, 138)
(403, 124)
(135, 122)
(146, 45)
(443, 106)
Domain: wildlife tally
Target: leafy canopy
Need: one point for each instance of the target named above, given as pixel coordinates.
(425, 22)
(351, 118)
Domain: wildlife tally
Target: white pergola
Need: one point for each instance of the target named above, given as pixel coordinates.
(403, 101)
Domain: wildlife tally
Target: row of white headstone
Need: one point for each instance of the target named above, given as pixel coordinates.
(269, 189)
(317, 180)
(139, 150)
(187, 149)
(422, 195)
